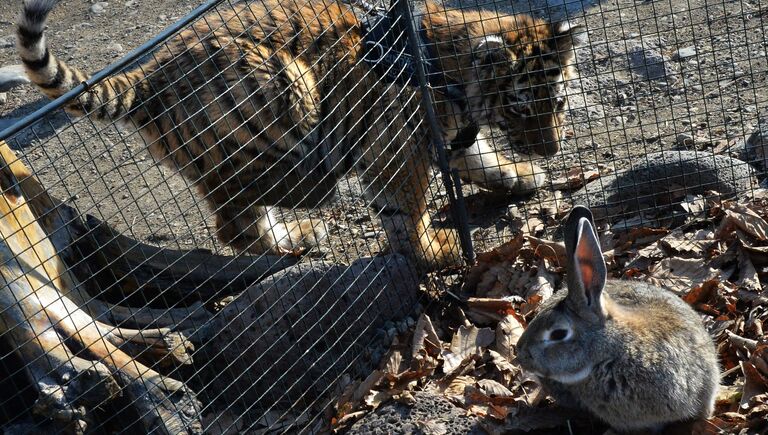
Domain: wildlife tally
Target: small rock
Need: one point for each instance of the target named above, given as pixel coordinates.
(3, 98)
(649, 63)
(12, 76)
(514, 213)
(8, 41)
(756, 145)
(130, 3)
(402, 326)
(401, 418)
(684, 139)
(684, 53)
(370, 234)
(98, 8)
(162, 17)
(115, 47)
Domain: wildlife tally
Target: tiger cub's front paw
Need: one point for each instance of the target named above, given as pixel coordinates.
(300, 236)
(440, 249)
(529, 177)
(430, 249)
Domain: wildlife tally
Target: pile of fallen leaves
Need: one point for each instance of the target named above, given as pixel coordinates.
(463, 347)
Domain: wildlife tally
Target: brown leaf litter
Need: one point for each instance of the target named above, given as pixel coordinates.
(464, 346)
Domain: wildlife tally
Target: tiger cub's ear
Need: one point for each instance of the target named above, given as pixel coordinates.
(491, 51)
(566, 37)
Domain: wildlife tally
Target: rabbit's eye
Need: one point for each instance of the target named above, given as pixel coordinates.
(559, 334)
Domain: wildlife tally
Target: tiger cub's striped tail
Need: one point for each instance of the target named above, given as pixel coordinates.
(110, 98)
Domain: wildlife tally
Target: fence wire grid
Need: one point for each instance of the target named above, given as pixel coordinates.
(250, 208)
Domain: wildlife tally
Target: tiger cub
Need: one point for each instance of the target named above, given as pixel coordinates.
(269, 104)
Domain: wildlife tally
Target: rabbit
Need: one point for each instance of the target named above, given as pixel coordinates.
(634, 355)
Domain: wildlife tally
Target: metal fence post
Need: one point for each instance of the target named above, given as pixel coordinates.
(450, 177)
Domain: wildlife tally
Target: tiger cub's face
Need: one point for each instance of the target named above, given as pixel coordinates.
(521, 82)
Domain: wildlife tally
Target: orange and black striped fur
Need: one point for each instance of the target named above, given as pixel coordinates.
(268, 105)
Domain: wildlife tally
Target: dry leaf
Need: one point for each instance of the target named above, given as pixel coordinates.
(499, 279)
(480, 410)
(639, 237)
(754, 384)
(425, 338)
(549, 250)
(499, 412)
(694, 204)
(686, 244)
(575, 178)
(432, 427)
(755, 373)
(758, 254)
(533, 225)
(629, 223)
(543, 286)
(404, 397)
(394, 363)
(365, 387)
(508, 332)
(502, 363)
(344, 403)
(491, 305)
(457, 385)
(374, 399)
(679, 275)
(491, 388)
(506, 253)
(742, 217)
(704, 293)
(748, 278)
(757, 416)
(467, 342)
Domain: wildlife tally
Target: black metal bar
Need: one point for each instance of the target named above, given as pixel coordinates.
(126, 60)
(450, 179)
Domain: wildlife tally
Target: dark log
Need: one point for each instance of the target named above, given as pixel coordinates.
(285, 341)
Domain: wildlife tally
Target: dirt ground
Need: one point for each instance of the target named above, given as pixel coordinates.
(655, 75)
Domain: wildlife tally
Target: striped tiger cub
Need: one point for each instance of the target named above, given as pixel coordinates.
(269, 104)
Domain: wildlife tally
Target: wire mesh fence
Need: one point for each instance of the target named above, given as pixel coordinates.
(237, 217)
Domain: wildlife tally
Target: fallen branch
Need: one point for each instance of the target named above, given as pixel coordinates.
(741, 342)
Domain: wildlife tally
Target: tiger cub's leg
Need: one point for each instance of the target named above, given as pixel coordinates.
(484, 166)
(399, 187)
(254, 229)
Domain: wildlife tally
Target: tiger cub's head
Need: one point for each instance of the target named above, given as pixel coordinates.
(520, 67)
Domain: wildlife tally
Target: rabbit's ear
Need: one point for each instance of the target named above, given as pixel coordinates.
(587, 268)
(571, 228)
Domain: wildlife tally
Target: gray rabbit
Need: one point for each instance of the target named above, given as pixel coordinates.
(634, 355)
